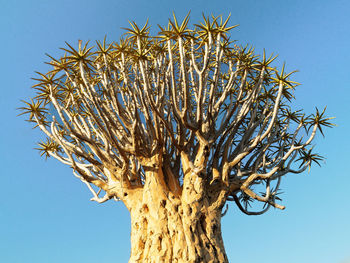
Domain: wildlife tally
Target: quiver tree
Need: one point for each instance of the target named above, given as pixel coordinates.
(174, 126)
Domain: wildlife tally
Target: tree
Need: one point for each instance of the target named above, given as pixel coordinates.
(174, 126)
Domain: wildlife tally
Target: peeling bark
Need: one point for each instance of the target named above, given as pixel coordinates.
(170, 228)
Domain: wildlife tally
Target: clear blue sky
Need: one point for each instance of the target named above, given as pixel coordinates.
(45, 212)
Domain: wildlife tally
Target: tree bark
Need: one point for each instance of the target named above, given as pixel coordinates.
(166, 227)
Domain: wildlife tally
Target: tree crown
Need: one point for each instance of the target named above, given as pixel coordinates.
(190, 102)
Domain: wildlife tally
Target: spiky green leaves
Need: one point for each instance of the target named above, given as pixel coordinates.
(135, 33)
(246, 200)
(265, 63)
(80, 55)
(321, 120)
(222, 28)
(103, 48)
(212, 27)
(176, 30)
(35, 109)
(283, 78)
(307, 157)
(296, 116)
(47, 147)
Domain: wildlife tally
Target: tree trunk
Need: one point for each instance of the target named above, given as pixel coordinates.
(166, 227)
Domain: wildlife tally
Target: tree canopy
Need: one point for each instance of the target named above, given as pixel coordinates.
(211, 114)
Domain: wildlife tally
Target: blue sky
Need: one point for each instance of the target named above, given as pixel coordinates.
(45, 212)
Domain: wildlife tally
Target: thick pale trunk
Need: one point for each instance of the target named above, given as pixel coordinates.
(168, 228)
